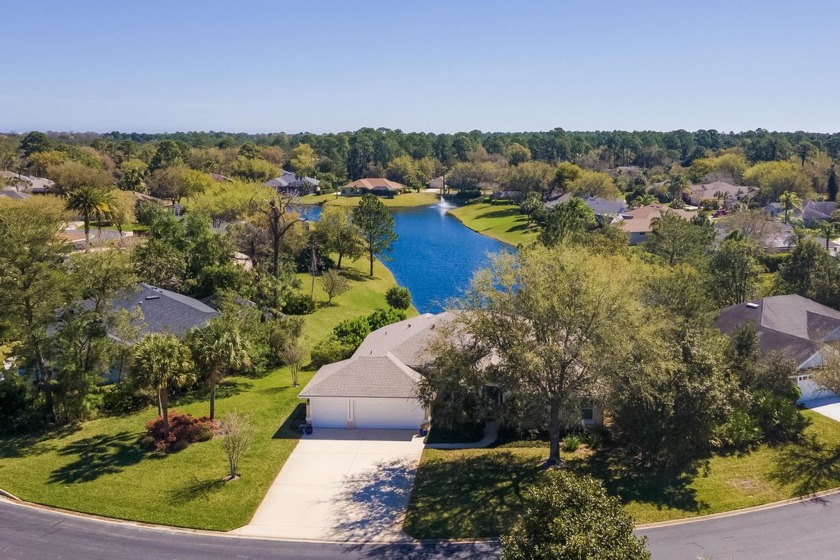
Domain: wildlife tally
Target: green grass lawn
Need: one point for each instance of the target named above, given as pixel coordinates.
(407, 200)
(98, 468)
(499, 221)
(490, 483)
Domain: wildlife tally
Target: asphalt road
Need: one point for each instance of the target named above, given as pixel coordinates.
(808, 529)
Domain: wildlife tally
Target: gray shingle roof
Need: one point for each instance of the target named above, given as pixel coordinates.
(600, 206)
(165, 311)
(382, 366)
(290, 179)
(791, 324)
(372, 377)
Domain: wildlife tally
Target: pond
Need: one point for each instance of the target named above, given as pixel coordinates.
(435, 255)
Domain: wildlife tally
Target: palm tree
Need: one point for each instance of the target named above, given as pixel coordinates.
(789, 201)
(161, 361)
(828, 230)
(88, 201)
(216, 349)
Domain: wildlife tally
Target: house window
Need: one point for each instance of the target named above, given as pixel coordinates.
(587, 412)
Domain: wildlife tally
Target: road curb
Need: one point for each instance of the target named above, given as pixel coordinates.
(9, 496)
(737, 512)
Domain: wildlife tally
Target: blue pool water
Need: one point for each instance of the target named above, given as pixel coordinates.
(435, 255)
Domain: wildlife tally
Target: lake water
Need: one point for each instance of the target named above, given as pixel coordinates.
(435, 255)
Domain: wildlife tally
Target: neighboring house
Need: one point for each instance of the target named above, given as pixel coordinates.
(725, 193)
(437, 183)
(606, 211)
(291, 183)
(377, 386)
(14, 194)
(164, 311)
(831, 247)
(373, 185)
(30, 185)
(811, 213)
(638, 222)
(792, 325)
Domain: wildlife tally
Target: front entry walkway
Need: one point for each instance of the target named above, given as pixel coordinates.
(342, 485)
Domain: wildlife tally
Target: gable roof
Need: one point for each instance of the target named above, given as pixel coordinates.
(382, 366)
(165, 311)
(791, 324)
(373, 377)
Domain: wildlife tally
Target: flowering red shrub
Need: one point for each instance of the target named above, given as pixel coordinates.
(184, 429)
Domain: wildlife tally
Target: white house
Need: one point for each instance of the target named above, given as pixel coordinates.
(793, 325)
(377, 386)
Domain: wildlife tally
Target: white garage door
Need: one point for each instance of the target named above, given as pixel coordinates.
(395, 414)
(328, 412)
(809, 389)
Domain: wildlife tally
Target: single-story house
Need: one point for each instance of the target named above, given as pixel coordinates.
(811, 213)
(606, 210)
(373, 185)
(290, 182)
(164, 311)
(377, 386)
(13, 193)
(792, 325)
(638, 222)
(437, 183)
(723, 192)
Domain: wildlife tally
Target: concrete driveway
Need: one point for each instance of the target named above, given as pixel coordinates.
(342, 485)
(827, 407)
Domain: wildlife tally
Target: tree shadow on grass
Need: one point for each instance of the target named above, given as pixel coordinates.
(631, 481)
(810, 467)
(290, 429)
(501, 213)
(224, 389)
(354, 275)
(26, 445)
(196, 489)
(97, 456)
(471, 496)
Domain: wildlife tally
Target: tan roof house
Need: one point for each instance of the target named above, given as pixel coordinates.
(721, 191)
(373, 185)
(638, 223)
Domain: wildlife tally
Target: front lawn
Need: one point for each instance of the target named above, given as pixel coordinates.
(407, 200)
(99, 468)
(490, 483)
(503, 222)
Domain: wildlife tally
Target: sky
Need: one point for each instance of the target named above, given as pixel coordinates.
(433, 66)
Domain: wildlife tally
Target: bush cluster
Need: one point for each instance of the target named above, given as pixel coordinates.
(184, 429)
(299, 304)
(349, 335)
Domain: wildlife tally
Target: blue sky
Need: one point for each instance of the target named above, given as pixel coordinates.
(437, 66)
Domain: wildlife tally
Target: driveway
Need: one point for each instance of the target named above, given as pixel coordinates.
(827, 407)
(342, 485)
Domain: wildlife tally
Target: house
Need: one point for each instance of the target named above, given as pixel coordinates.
(638, 222)
(163, 311)
(291, 183)
(606, 210)
(723, 192)
(437, 183)
(790, 324)
(377, 386)
(811, 213)
(373, 185)
(14, 194)
(29, 184)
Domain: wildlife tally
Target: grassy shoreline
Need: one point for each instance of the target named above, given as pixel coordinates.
(502, 222)
(98, 468)
(408, 200)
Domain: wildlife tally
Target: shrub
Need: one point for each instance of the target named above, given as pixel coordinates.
(330, 350)
(184, 429)
(398, 298)
(147, 211)
(123, 398)
(571, 443)
(778, 417)
(19, 411)
(383, 317)
(299, 304)
(352, 332)
(740, 432)
(594, 438)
